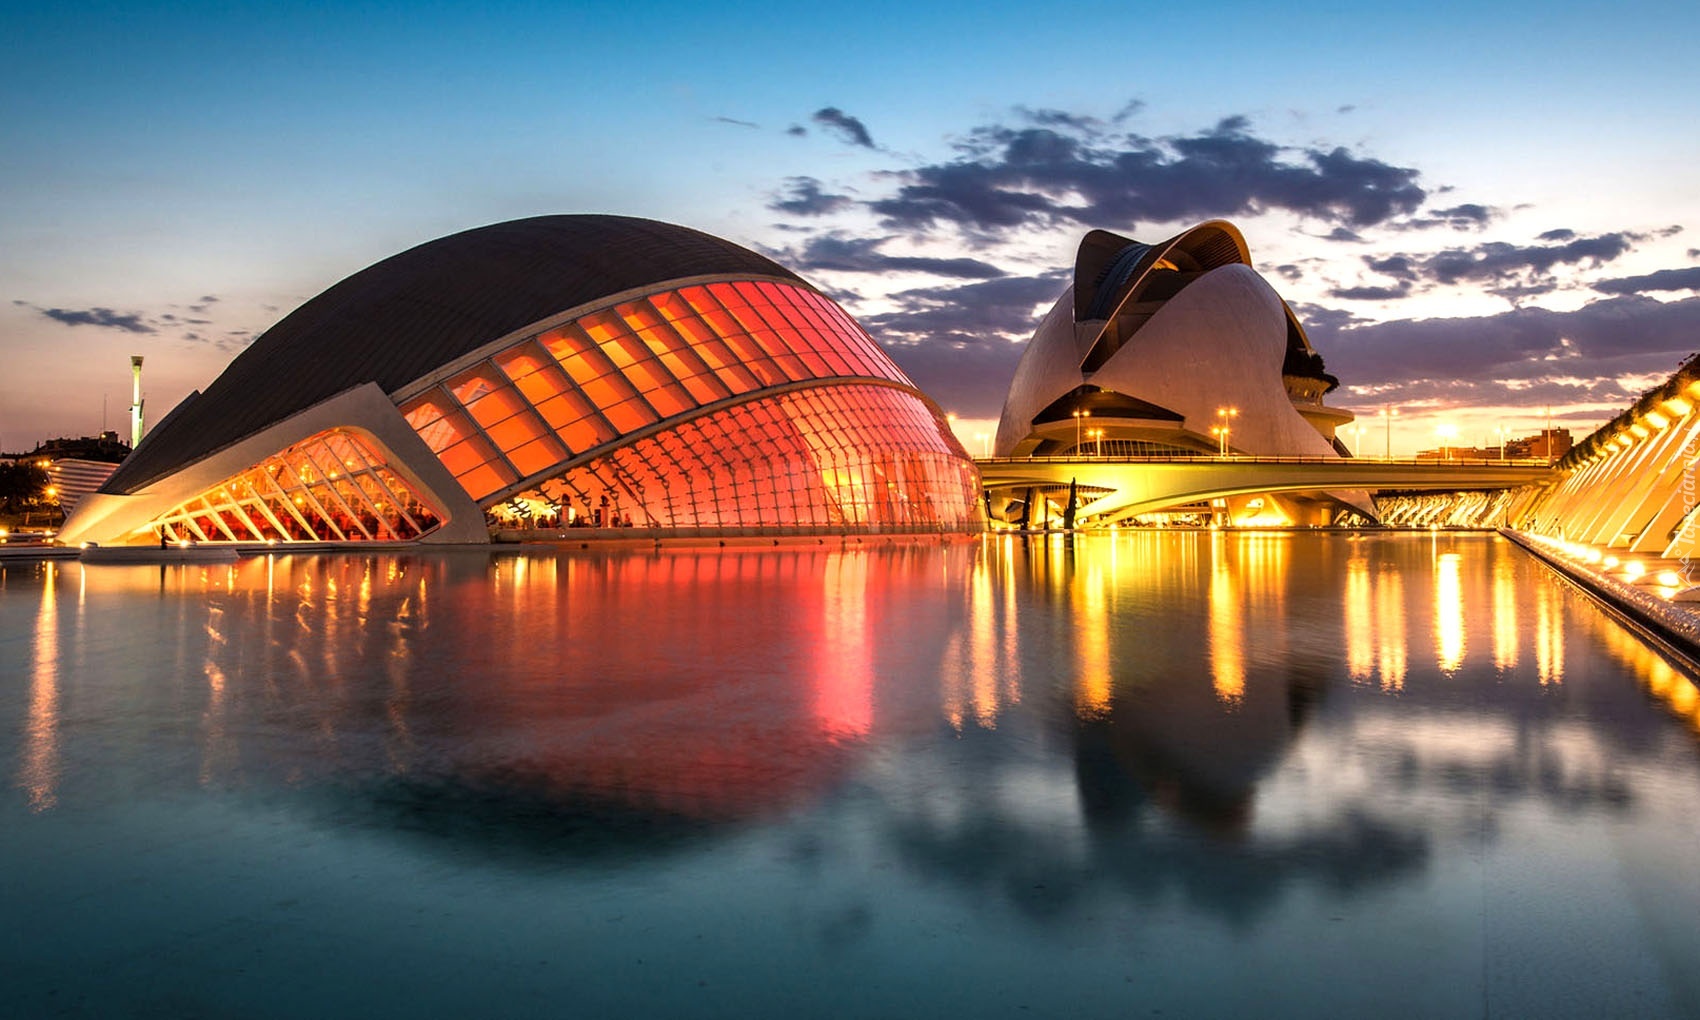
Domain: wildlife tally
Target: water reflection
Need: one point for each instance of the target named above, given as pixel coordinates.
(38, 774)
(1223, 718)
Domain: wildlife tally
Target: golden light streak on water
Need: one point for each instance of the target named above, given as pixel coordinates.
(1549, 635)
(1506, 637)
(1360, 621)
(983, 645)
(1092, 642)
(1390, 628)
(1227, 631)
(1448, 613)
(38, 775)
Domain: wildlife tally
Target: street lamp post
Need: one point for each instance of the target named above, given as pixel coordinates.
(1097, 436)
(1387, 416)
(1224, 422)
(1078, 415)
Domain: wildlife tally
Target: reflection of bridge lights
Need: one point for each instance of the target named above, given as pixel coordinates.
(1449, 612)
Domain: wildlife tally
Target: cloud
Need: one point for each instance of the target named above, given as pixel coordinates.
(1469, 216)
(1510, 271)
(844, 126)
(1342, 234)
(835, 252)
(1369, 293)
(802, 196)
(796, 131)
(1521, 356)
(1664, 279)
(129, 322)
(960, 343)
(1073, 171)
(736, 122)
(973, 313)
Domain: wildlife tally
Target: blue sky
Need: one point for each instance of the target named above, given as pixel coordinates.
(1480, 210)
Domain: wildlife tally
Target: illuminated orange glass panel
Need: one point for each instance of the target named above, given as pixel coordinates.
(584, 384)
(800, 459)
(332, 486)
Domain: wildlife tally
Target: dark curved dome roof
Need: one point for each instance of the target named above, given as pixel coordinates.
(406, 316)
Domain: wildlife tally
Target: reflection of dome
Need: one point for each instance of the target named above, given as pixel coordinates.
(591, 368)
(1153, 343)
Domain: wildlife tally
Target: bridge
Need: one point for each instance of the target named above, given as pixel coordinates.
(1138, 485)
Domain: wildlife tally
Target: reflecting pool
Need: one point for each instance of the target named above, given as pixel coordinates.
(1195, 774)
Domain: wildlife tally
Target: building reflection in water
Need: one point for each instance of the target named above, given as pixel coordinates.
(1182, 671)
(1506, 635)
(1449, 638)
(38, 774)
(1227, 626)
(1549, 634)
(1377, 649)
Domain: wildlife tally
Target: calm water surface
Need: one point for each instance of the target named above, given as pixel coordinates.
(1195, 775)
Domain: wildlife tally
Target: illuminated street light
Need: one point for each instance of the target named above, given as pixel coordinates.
(1078, 415)
(1097, 436)
(1387, 416)
(1447, 432)
(1224, 420)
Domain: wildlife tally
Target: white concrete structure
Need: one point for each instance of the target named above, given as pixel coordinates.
(1175, 349)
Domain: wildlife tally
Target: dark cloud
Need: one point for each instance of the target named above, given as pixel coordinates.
(1521, 356)
(129, 322)
(1129, 110)
(1058, 118)
(1694, 253)
(1561, 234)
(1511, 271)
(973, 313)
(1664, 279)
(1469, 216)
(835, 252)
(736, 122)
(1367, 293)
(1032, 175)
(1348, 108)
(961, 343)
(802, 196)
(1342, 234)
(844, 126)
(1290, 272)
(796, 131)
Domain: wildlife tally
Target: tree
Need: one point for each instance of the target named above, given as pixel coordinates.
(22, 483)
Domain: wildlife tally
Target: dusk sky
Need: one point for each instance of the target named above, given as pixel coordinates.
(1478, 210)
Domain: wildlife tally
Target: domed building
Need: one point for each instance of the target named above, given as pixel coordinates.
(1175, 349)
(561, 371)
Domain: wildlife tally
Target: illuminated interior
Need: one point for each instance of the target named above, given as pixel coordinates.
(831, 435)
(840, 457)
(332, 487)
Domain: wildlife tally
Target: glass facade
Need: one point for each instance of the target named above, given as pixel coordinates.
(332, 487)
(856, 457)
(838, 453)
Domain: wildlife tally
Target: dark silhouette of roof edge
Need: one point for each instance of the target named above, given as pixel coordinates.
(409, 314)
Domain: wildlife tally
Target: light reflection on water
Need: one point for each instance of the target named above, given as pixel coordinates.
(1206, 773)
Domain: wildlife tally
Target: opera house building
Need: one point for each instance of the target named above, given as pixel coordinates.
(560, 371)
(1175, 349)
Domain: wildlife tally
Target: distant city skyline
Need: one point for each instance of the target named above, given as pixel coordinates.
(1479, 213)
